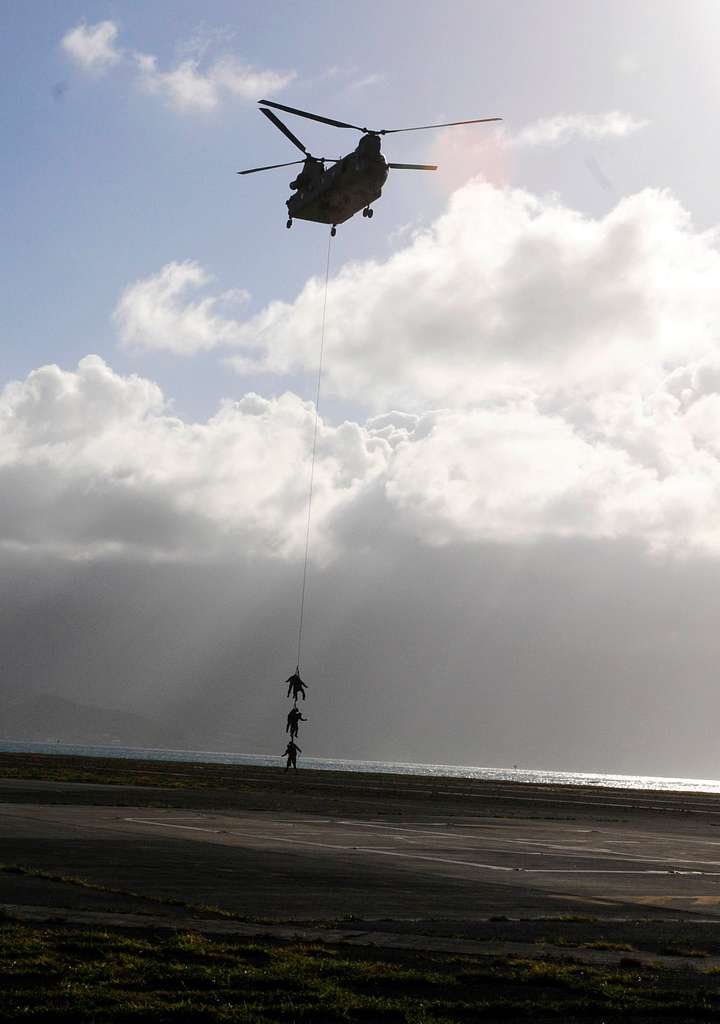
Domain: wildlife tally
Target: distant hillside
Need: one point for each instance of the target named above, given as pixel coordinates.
(45, 718)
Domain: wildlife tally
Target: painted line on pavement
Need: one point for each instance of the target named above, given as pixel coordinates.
(170, 824)
(424, 857)
(371, 849)
(325, 846)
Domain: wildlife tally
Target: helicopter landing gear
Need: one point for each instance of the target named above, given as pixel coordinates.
(333, 231)
(368, 212)
(289, 222)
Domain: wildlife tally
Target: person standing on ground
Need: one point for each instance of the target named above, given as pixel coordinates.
(291, 751)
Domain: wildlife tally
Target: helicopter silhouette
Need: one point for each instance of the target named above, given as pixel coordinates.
(352, 182)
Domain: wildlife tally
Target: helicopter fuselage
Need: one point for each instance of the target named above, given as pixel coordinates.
(350, 185)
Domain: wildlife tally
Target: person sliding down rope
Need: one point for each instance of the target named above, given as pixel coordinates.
(296, 685)
(291, 751)
(293, 722)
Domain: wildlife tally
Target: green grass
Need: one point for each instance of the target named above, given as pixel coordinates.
(612, 947)
(677, 949)
(78, 974)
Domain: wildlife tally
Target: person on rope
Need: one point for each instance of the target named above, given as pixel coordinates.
(296, 685)
(293, 722)
(291, 752)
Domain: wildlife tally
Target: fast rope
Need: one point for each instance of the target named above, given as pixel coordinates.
(296, 686)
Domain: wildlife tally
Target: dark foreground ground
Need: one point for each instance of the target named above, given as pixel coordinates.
(239, 893)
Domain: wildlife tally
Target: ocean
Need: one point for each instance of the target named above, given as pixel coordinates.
(457, 771)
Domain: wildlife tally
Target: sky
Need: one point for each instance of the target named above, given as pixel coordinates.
(515, 550)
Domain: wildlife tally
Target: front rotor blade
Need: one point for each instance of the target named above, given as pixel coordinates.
(414, 167)
(447, 124)
(271, 167)
(284, 129)
(313, 117)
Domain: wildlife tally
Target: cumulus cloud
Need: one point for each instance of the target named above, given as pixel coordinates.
(92, 47)
(189, 87)
(561, 128)
(153, 313)
(193, 84)
(93, 463)
(552, 374)
(504, 294)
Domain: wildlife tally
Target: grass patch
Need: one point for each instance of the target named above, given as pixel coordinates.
(677, 949)
(611, 947)
(79, 974)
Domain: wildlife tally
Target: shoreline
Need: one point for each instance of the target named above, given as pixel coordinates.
(545, 779)
(82, 779)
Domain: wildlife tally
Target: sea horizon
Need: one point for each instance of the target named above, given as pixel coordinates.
(531, 776)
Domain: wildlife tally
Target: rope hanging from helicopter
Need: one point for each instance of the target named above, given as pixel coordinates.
(313, 457)
(352, 184)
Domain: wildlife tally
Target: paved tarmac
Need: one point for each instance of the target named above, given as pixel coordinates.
(615, 856)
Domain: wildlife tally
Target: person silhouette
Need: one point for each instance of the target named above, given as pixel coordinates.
(293, 722)
(291, 752)
(296, 685)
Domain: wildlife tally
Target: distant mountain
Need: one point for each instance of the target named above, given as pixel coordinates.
(45, 718)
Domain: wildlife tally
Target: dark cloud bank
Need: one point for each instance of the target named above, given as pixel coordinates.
(574, 655)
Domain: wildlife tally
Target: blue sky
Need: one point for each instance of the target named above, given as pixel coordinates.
(106, 183)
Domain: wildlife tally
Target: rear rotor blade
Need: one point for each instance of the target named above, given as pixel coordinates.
(313, 117)
(270, 167)
(283, 128)
(414, 167)
(447, 124)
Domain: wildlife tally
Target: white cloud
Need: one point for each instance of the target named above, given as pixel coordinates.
(487, 151)
(193, 84)
(514, 474)
(550, 376)
(507, 293)
(561, 128)
(365, 82)
(153, 313)
(93, 46)
(188, 87)
(245, 81)
(93, 463)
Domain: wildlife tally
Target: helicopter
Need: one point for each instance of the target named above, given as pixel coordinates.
(353, 182)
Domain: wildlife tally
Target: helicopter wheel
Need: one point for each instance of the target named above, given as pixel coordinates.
(333, 231)
(370, 212)
(365, 212)
(289, 223)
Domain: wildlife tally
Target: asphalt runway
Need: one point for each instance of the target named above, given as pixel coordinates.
(281, 864)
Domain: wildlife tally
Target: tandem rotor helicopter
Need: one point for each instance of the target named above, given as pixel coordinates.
(352, 182)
